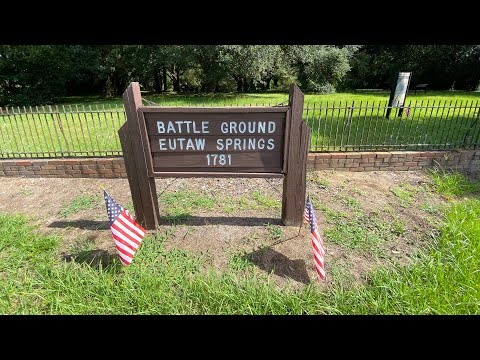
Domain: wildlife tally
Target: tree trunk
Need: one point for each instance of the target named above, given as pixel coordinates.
(239, 84)
(157, 84)
(275, 83)
(109, 87)
(165, 79)
(176, 81)
(267, 83)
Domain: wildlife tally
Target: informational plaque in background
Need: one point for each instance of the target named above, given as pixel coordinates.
(259, 141)
(398, 94)
(205, 140)
(401, 89)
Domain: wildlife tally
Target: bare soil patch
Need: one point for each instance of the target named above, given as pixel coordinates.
(242, 221)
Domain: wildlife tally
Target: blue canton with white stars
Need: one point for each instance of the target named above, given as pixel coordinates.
(312, 217)
(113, 209)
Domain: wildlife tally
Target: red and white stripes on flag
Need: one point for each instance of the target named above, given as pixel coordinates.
(127, 233)
(317, 241)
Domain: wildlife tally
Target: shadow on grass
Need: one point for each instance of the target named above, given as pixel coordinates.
(93, 258)
(272, 261)
(81, 224)
(185, 219)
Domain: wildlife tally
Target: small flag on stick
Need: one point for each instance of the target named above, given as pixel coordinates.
(127, 233)
(317, 242)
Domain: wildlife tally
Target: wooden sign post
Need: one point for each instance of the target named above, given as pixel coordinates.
(259, 141)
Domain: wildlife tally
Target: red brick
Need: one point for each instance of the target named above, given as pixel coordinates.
(23, 163)
(357, 169)
(56, 172)
(93, 175)
(56, 162)
(371, 168)
(121, 166)
(354, 156)
(39, 162)
(11, 173)
(71, 172)
(423, 163)
(414, 153)
(399, 154)
(41, 172)
(410, 163)
(123, 175)
(49, 167)
(8, 163)
(104, 161)
(87, 171)
(369, 155)
(71, 162)
(338, 156)
(17, 167)
(109, 176)
(383, 154)
(96, 167)
(118, 161)
(414, 168)
(352, 165)
(401, 168)
(87, 162)
(323, 156)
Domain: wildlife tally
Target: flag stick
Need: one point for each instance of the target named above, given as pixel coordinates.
(300, 228)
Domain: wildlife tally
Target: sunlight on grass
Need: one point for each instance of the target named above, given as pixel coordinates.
(452, 183)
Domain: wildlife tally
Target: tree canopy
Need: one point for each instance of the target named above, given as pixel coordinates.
(41, 74)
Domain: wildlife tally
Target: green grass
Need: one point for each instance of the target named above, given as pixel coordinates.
(34, 280)
(181, 204)
(452, 183)
(79, 203)
(88, 132)
(405, 194)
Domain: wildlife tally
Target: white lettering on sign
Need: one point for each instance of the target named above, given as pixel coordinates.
(251, 127)
(225, 143)
(245, 144)
(182, 127)
(179, 144)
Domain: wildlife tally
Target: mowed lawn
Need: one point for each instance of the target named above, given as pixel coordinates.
(87, 126)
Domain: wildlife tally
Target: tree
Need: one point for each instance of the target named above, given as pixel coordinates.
(32, 74)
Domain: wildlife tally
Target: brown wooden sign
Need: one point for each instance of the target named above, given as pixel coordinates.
(268, 141)
(209, 140)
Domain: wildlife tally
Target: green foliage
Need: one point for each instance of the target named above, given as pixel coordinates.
(442, 66)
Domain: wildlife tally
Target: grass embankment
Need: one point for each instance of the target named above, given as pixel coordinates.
(443, 280)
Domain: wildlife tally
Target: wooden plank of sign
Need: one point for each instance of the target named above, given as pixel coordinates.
(214, 123)
(132, 100)
(131, 170)
(211, 144)
(260, 160)
(292, 184)
(201, 173)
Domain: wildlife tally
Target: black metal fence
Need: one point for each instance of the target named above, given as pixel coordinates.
(425, 125)
(69, 131)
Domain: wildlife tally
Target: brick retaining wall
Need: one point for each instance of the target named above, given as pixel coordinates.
(459, 160)
(347, 161)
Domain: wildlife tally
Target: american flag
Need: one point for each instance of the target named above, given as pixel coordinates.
(127, 233)
(317, 242)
